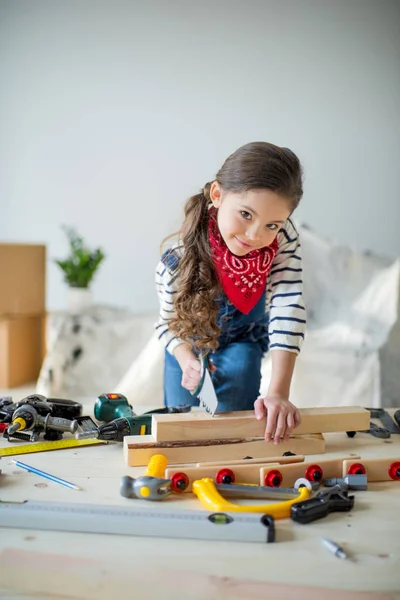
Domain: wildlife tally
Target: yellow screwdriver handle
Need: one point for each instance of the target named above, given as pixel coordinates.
(21, 422)
(157, 465)
(210, 497)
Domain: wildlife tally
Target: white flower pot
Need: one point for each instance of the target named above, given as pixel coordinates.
(79, 300)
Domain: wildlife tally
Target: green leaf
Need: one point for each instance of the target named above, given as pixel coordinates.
(82, 263)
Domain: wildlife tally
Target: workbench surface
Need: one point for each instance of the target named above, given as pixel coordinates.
(45, 564)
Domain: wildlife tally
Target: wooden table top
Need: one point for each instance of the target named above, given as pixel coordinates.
(38, 564)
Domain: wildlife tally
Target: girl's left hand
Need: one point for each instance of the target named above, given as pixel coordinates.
(282, 417)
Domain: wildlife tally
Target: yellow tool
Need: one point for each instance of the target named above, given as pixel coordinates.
(157, 465)
(29, 448)
(209, 496)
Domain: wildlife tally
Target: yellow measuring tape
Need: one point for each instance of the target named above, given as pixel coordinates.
(28, 448)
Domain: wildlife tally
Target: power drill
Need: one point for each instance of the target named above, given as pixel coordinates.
(120, 420)
(34, 416)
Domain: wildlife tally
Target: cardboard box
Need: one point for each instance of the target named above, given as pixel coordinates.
(23, 279)
(22, 349)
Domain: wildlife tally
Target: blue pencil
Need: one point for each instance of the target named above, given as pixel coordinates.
(46, 475)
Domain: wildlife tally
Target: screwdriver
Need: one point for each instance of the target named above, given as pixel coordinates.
(334, 548)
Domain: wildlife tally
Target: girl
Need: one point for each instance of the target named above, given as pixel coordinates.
(232, 287)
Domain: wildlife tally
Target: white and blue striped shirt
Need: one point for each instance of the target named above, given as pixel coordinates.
(285, 305)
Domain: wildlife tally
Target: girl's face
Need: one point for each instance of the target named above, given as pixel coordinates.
(249, 220)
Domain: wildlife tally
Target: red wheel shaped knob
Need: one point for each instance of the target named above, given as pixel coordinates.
(225, 476)
(179, 482)
(314, 473)
(273, 478)
(394, 470)
(356, 469)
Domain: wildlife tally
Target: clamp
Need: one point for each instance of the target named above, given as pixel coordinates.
(210, 497)
(389, 425)
(325, 502)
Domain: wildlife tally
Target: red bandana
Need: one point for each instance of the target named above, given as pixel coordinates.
(243, 278)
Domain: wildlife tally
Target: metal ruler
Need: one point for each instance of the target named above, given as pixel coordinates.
(91, 518)
(29, 448)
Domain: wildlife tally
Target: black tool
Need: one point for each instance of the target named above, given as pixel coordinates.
(66, 409)
(34, 414)
(30, 419)
(389, 425)
(379, 432)
(385, 418)
(333, 500)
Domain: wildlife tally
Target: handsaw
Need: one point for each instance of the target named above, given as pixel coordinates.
(205, 390)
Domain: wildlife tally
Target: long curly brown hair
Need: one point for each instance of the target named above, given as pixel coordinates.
(254, 166)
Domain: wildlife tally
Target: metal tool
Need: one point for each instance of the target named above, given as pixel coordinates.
(325, 502)
(350, 482)
(334, 548)
(205, 390)
(91, 518)
(47, 446)
(86, 427)
(145, 487)
(258, 492)
(210, 497)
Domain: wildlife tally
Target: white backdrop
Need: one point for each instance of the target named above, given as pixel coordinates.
(113, 113)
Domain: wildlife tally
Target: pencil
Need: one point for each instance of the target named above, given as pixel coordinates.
(46, 475)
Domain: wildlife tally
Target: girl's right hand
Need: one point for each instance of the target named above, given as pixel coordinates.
(191, 374)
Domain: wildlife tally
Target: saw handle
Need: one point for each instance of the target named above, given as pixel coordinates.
(204, 366)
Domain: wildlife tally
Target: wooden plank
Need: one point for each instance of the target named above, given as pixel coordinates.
(330, 467)
(376, 469)
(242, 473)
(282, 460)
(246, 471)
(243, 424)
(138, 449)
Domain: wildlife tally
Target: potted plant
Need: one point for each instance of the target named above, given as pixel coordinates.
(79, 269)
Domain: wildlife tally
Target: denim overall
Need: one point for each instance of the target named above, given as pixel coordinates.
(242, 344)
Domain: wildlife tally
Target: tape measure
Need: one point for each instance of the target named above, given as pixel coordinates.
(29, 448)
(152, 522)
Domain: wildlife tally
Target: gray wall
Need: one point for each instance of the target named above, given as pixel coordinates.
(113, 113)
